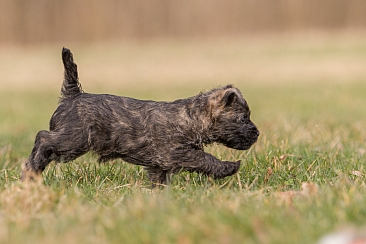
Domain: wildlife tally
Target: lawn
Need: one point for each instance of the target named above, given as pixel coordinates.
(304, 178)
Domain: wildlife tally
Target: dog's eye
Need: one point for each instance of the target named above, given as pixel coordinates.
(243, 119)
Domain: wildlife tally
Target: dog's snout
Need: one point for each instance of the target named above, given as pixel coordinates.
(255, 130)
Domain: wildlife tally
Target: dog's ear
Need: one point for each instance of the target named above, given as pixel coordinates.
(229, 98)
(221, 99)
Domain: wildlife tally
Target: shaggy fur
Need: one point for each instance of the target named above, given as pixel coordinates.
(165, 137)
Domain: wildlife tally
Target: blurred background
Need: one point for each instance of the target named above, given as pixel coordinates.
(127, 44)
(43, 21)
(297, 56)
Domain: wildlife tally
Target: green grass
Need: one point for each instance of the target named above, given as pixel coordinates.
(312, 134)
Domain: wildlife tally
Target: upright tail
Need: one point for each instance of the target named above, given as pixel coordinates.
(70, 86)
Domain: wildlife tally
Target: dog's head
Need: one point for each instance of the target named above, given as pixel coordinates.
(231, 122)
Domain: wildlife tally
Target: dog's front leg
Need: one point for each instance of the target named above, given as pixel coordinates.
(200, 161)
(157, 175)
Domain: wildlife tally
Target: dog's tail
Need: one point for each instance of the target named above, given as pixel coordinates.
(70, 86)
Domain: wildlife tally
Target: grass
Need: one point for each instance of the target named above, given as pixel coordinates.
(305, 176)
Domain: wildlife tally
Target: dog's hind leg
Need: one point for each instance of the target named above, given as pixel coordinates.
(52, 146)
(39, 158)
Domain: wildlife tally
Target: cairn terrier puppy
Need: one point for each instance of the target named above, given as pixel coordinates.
(164, 137)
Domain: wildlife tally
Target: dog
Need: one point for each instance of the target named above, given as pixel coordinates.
(164, 137)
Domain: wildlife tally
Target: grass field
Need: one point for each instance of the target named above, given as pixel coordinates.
(304, 178)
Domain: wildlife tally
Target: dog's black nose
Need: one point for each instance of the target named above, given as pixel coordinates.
(254, 130)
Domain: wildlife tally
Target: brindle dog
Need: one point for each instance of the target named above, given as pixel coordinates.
(164, 137)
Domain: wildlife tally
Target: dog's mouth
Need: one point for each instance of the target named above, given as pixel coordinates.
(245, 142)
(246, 145)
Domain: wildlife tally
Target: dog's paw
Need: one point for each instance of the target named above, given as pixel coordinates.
(228, 168)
